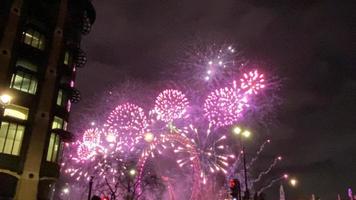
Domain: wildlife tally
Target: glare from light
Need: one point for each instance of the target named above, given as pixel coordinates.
(246, 133)
(132, 172)
(293, 182)
(149, 137)
(236, 130)
(65, 190)
(5, 99)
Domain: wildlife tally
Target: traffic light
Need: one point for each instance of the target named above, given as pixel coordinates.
(235, 189)
(104, 198)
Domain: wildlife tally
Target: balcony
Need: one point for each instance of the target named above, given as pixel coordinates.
(79, 58)
(74, 94)
(65, 136)
(88, 18)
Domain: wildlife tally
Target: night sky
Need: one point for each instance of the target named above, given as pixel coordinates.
(310, 44)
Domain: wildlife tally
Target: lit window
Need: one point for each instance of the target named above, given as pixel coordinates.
(67, 58)
(61, 98)
(34, 39)
(53, 148)
(24, 82)
(17, 112)
(27, 65)
(11, 135)
(57, 123)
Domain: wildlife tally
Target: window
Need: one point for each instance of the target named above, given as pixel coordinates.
(16, 111)
(11, 135)
(53, 148)
(34, 39)
(26, 65)
(24, 82)
(61, 98)
(67, 58)
(59, 123)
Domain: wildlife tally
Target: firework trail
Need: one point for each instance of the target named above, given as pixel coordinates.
(275, 161)
(273, 181)
(260, 150)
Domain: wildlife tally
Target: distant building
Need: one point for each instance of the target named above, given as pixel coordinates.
(39, 56)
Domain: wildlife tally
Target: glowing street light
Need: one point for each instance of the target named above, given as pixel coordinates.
(132, 172)
(65, 190)
(5, 100)
(246, 133)
(293, 182)
(243, 133)
(236, 130)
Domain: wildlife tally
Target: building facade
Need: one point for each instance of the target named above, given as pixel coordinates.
(39, 57)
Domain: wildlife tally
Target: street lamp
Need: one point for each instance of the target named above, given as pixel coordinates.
(246, 134)
(5, 100)
(132, 172)
(65, 190)
(293, 182)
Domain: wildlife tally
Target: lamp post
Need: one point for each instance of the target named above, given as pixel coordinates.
(132, 173)
(246, 134)
(90, 186)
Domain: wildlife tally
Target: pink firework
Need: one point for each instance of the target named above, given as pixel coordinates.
(85, 152)
(128, 121)
(252, 82)
(91, 137)
(225, 106)
(170, 105)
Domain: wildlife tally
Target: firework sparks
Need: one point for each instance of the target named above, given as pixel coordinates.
(252, 82)
(225, 106)
(91, 137)
(211, 64)
(129, 123)
(170, 105)
(193, 132)
(209, 148)
(275, 161)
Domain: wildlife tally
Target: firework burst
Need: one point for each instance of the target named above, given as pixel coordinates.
(209, 148)
(211, 64)
(225, 106)
(252, 82)
(128, 121)
(170, 105)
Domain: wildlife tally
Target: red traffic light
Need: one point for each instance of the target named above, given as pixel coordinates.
(104, 198)
(232, 183)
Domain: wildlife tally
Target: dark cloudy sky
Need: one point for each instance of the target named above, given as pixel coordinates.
(310, 42)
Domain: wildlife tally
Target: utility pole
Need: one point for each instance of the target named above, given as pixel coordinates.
(90, 186)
